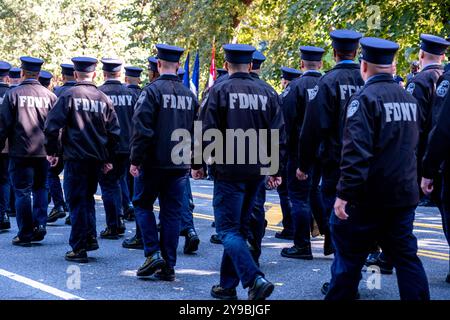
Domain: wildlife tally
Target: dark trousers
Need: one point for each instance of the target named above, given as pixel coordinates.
(330, 179)
(111, 191)
(446, 204)
(187, 218)
(54, 184)
(125, 185)
(285, 203)
(233, 203)
(169, 186)
(257, 224)
(4, 184)
(80, 184)
(29, 177)
(301, 210)
(315, 198)
(353, 239)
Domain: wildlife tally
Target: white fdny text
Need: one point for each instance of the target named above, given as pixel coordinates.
(177, 102)
(34, 102)
(347, 90)
(400, 111)
(88, 105)
(122, 100)
(248, 101)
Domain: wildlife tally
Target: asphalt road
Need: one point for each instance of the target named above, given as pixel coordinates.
(40, 272)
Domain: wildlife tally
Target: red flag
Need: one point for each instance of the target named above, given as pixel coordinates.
(212, 68)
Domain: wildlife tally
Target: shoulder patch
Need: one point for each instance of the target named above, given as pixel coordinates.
(285, 92)
(442, 90)
(312, 93)
(352, 108)
(411, 87)
(141, 97)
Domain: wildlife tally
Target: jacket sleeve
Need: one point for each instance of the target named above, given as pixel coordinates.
(144, 120)
(289, 103)
(423, 96)
(317, 122)
(438, 142)
(357, 150)
(7, 116)
(278, 123)
(56, 119)
(112, 131)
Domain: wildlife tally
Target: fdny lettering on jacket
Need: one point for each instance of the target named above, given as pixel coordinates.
(248, 101)
(121, 100)
(34, 102)
(95, 106)
(400, 111)
(177, 102)
(347, 90)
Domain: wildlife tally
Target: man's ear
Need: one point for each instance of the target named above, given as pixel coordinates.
(334, 54)
(320, 64)
(226, 66)
(250, 66)
(94, 76)
(302, 64)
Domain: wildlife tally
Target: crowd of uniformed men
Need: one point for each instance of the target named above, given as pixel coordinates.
(354, 148)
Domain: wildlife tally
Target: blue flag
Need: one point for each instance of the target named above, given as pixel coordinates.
(195, 76)
(186, 71)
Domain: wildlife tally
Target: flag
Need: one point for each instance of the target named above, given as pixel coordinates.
(195, 75)
(186, 72)
(212, 68)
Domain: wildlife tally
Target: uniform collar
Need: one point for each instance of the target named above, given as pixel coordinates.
(241, 75)
(345, 62)
(85, 83)
(133, 86)
(312, 73)
(70, 83)
(352, 65)
(385, 77)
(432, 66)
(254, 75)
(167, 76)
(29, 81)
(2, 84)
(113, 82)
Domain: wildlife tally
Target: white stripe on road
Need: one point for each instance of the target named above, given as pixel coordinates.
(40, 286)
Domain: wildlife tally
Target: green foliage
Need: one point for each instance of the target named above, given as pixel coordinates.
(56, 30)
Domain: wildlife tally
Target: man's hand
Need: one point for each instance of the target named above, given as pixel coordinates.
(427, 186)
(274, 182)
(53, 161)
(198, 174)
(134, 171)
(339, 209)
(107, 167)
(301, 175)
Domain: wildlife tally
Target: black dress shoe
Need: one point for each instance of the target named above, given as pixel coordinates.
(192, 242)
(295, 252)
(22, 243)
(284, 235)
(215, 239)
(79, 256)
(5, 224)
(372, 259)
(128, 214)
(55, 214)
(261, 289)
(121, 228)
(326, 287)
(379, 261)
(151, 265)
(68, 222)
(328, 246)
(38, 234)
(133, 243)
(92, 244)
(165, 274)
(220, 293)
(109, 234)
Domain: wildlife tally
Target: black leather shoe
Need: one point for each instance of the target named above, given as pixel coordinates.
(448, 278)
(284, 235)
(92, 244)
(372, 259)
(165, 274)
(215, 239)
(77, 256)
(121, 228)
(151, 265)
(220, 293)
(55, 214)
(133, 243)
(385, 266)
(297, 253)
(21, 243)
(326, 287)
(38, 234)
(328, 246)
(68, 222)
(128, 214)
(192, 242)
(5, 224)
(109, 234)
(261, 289)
